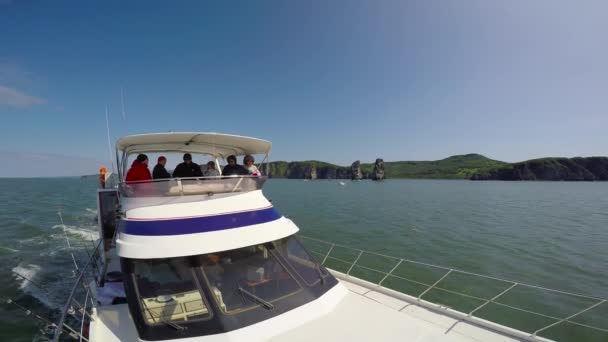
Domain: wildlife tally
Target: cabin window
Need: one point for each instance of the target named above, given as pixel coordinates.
(168, 292)
(302, 262)
(246, 278)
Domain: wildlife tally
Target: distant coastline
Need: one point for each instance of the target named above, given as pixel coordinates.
(469, 166)
(550, 169)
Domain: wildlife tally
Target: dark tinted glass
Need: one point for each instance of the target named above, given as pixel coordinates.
(168, 291)
(253, 269)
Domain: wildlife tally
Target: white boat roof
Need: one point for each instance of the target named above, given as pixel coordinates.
(195, 142)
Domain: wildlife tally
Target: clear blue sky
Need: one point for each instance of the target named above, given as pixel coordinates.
(329, 80)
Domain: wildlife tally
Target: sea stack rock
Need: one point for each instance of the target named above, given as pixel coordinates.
(356, 171)
(378, 170)
(311, 172)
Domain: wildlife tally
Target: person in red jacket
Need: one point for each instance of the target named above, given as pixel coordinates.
(139, 170)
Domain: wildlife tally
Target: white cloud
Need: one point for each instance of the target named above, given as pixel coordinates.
(15, 98)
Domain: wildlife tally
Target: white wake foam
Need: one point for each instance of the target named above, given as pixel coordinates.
(9, 249)
(31, 271)
(28, 271)
(91, 211)
(83, 233)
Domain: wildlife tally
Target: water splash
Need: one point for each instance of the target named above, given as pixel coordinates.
(30, 271)
(83, 233)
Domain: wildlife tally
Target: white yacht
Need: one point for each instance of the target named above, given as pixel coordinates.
(210, 259)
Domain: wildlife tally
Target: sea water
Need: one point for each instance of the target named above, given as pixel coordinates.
(553, 234)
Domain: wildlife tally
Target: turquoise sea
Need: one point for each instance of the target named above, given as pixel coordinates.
(552, 234)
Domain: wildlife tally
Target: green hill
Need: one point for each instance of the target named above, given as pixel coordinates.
(553, 169)
(455, 167)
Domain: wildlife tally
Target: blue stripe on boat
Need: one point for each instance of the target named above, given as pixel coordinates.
(199, 224)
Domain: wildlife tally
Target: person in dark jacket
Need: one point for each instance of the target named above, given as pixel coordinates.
(139, 170)
(187, 168)
(233, 168)
(159, 171)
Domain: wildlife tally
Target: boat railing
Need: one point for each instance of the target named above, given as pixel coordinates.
(538, 311)
(191, 186)
(76, 312)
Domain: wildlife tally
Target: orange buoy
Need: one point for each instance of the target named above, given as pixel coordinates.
(102, 177)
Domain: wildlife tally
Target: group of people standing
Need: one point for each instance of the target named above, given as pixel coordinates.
(139, 169)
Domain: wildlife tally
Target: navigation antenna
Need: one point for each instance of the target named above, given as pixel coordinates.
(124, 114)
(109, 142)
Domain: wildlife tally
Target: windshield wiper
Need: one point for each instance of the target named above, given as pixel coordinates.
(268, 305)
(169, 323)
(321, 276)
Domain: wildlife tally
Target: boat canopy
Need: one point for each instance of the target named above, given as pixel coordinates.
(215, 144)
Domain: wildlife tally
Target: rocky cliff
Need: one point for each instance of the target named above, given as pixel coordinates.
(455, 167)
(378, 170)
(467, 166)
(306, 169)
(551, 169)
(355, 171)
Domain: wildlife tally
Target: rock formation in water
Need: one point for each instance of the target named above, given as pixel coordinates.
(552, 169)
(378, 173)
(356, 171)
(311, 172)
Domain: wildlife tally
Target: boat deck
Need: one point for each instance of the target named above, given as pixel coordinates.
(363, 314)
(374, 316)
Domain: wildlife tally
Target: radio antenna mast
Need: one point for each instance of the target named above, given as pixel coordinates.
(124, 114)
(109, 141)
(122, 103)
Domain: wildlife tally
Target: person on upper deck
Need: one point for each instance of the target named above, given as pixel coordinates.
(210, 171)
(250, 166)
(139, 170)
(159, 171)
(187, 168)
(234, 169)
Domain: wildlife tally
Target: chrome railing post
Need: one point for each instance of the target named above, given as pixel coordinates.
(79, 281)
(355, 262)
(328, 252)
(437, 282)
(493, 299)
(84, 311)
(390, 272)
(180, 187)
(569, 317)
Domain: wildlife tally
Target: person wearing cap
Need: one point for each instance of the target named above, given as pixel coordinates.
(139, 170)
(234, 169)
(187, 168)
(159, 171)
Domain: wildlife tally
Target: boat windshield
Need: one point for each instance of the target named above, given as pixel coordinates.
(304, 264)
(223, 291)
(255, 269)
(168, 293)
